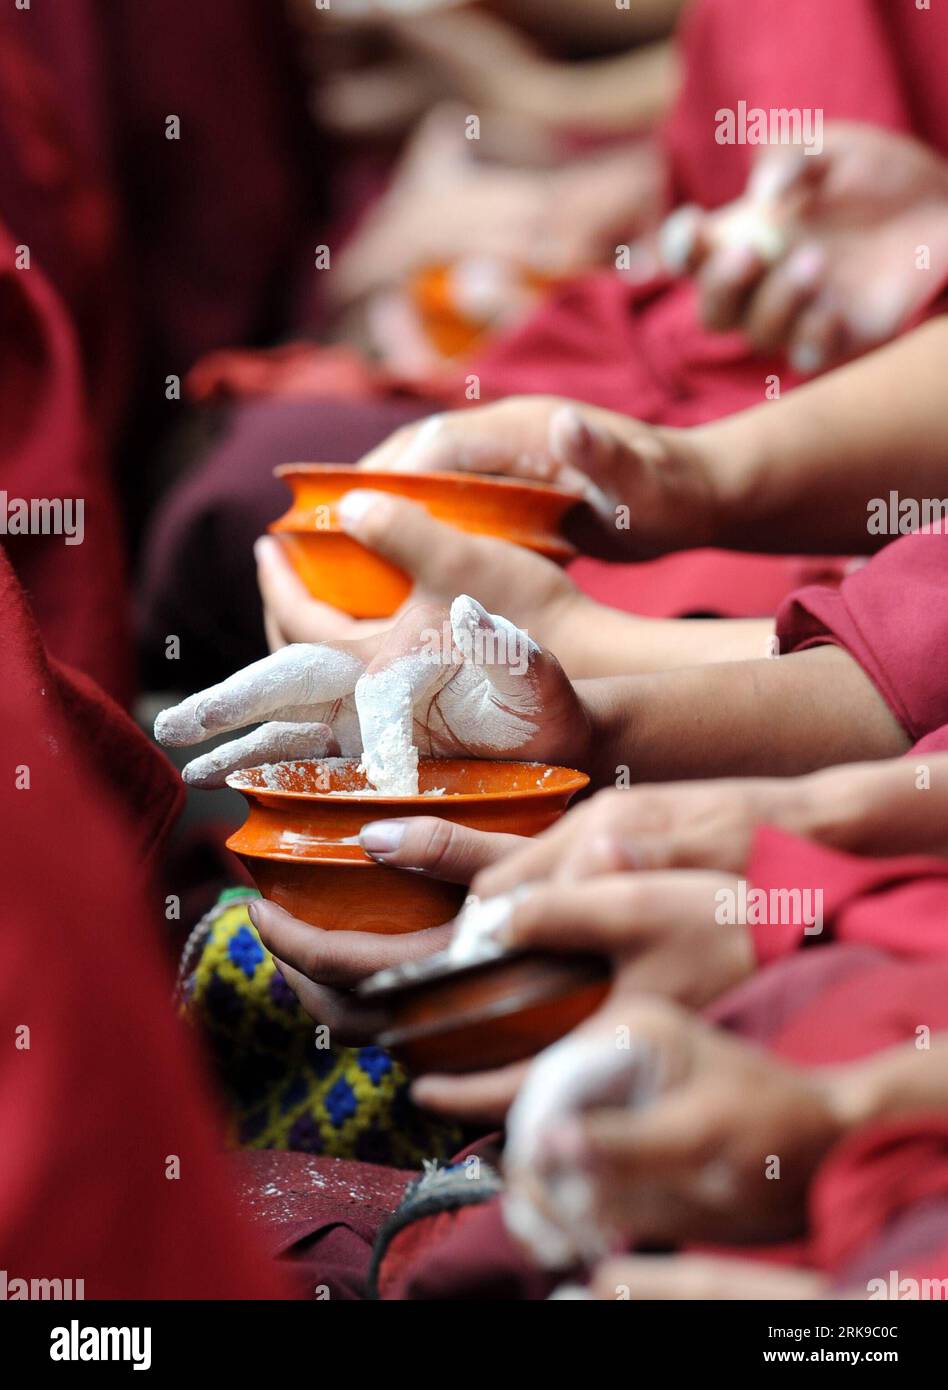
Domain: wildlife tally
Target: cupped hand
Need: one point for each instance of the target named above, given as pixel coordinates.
(659, 931)
(654, 1126)
(323, 967)
(468, 683)
(820, 257)
(647, 489)
(440, 560)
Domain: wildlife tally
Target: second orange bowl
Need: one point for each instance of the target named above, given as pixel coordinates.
(338, 570)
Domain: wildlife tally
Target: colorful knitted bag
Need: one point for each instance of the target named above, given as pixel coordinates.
(282, 1089)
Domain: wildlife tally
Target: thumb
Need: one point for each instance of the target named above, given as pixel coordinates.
(398, 530)
(598, 463)
(785, 172)
(434, 846)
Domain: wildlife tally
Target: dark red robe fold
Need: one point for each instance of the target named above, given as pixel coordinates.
(891, 615)
(108, 1165)
(899, 905)
(57, 186)
(49, 451)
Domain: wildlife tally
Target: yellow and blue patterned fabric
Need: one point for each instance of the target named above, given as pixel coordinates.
(282, 1089)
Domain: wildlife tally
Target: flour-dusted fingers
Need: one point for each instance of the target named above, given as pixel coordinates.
(493, 696)
(397, 689)
(299, 682)
(270, 743)
(340, 959)
(509, 698)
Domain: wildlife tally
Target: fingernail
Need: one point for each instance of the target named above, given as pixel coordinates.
(208, 715)
(264, 548)
(382, 836)
(253, 913)
(355, 505)
(676, 237)
(414, 456)
(806, 265)
(806, 359)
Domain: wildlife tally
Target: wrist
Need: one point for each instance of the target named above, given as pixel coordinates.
(606, 704)
(836, 806)
(730, 457)
(564, 629)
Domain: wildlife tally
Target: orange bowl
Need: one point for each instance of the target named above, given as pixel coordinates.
(300, 839)
(439, 1015)
(342, 572)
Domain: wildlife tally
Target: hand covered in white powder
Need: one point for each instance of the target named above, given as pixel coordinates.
(654, 1126)
(819, 257)
(463, 683)
(647, 489)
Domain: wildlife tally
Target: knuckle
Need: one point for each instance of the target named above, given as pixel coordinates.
(441, 849)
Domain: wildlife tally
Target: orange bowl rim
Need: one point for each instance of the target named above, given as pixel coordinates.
(379, 476)
(576, 782)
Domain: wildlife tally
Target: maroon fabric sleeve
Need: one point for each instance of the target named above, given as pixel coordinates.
(871, 1177)
(891, 615)
(899, 904)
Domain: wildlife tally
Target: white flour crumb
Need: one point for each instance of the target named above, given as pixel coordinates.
(389, 756)
(478, 923)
